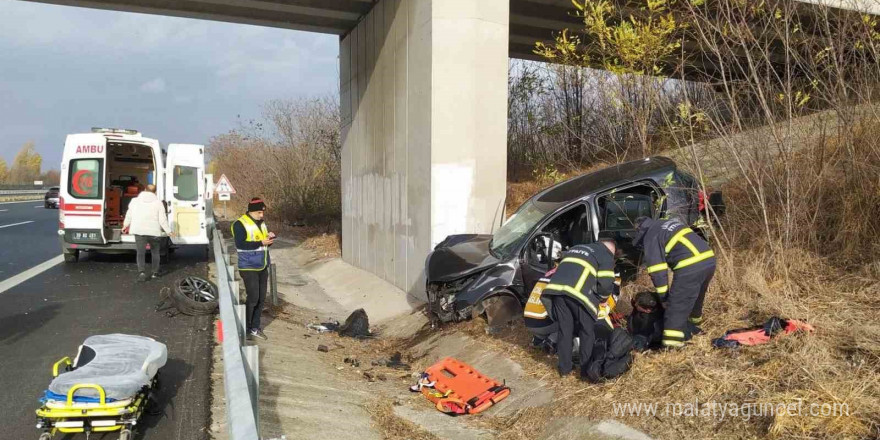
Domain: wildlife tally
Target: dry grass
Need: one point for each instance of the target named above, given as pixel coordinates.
(324, 245)
(324, 241)
(25, 198)
(393, 427)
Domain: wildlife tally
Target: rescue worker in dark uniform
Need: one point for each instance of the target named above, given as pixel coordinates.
(578, 292)
(669, 244)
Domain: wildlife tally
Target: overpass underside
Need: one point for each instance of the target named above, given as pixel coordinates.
(423, 98)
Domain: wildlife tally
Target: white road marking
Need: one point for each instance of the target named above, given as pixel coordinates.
(30, 273)
(22, 201)
(3, 210)
(41, 206)
(16, 224)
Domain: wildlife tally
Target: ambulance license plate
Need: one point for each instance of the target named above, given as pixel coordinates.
(83, 236)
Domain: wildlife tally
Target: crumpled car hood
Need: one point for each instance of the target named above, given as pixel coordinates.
(459, 256)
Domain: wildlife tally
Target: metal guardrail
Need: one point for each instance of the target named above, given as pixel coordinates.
(15, 192)
(240, 362)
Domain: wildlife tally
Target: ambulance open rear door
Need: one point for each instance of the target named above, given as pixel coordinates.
(185, 193)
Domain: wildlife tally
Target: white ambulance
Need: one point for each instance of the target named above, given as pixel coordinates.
(102, 171)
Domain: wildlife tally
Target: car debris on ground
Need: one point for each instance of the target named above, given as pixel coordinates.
(394, 362)
(322, 328)
(357, 325)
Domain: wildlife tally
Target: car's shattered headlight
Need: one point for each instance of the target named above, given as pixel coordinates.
(441, 297)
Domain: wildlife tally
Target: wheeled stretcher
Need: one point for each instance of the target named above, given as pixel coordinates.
(104, 389)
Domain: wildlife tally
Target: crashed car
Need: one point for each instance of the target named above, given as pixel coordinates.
(470, 275)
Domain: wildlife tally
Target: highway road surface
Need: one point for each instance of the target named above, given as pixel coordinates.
(49, 308)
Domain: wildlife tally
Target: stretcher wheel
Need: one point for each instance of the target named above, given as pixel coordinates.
(45, 436)
(125, 434)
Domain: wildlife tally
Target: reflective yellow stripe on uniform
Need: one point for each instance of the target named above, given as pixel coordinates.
(588, 270)
(677, 237)
(658, 267)
(577, 294)
(673, 334)
(695, 259)
(697, 320)
(605, 274)
(662, 289)
(669, 343)
(576, 290)
(535, 315)
(583, 263)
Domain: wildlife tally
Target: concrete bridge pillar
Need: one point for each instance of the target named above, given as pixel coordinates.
(424, 123)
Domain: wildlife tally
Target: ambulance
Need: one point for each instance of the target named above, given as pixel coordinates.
(103, 171)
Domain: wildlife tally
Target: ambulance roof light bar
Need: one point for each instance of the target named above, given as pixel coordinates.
(115, 131)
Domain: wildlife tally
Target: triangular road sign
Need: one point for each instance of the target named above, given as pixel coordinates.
(223, 186)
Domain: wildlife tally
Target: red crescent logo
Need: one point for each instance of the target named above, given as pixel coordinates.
(83, 181)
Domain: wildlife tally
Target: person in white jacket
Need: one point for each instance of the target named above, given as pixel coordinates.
(146, 219)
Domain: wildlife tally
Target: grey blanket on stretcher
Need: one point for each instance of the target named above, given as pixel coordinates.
(123, 364)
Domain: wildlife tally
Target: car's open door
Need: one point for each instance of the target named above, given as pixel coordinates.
(84, 173)
(185, 193)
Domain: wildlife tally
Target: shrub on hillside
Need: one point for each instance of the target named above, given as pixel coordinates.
(291, 158)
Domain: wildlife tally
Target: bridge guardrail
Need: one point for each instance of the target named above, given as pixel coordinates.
(240, 361)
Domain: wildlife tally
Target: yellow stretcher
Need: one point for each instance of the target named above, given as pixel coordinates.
(73, 415)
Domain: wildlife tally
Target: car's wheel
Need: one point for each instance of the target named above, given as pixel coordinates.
(71, 256)
(501, 310)
(195, 296)
(46, 205)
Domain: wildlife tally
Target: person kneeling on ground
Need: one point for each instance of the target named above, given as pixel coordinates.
(252, 241)
(611, 355)
(578, 292)
(146, 219)
(645, 323)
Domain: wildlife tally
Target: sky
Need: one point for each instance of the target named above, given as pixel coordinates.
(64, 70)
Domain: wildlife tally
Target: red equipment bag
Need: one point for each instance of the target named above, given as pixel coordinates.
(761, 334)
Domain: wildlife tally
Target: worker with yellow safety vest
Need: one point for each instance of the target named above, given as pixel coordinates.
(252, 241)
(669, 244)
(578, 292)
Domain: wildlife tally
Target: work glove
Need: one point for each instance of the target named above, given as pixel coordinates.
(604, 310)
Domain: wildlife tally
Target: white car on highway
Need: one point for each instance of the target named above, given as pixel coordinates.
(102, 171)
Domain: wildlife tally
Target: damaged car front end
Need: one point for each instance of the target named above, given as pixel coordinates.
(470, 274)
(462, 273)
